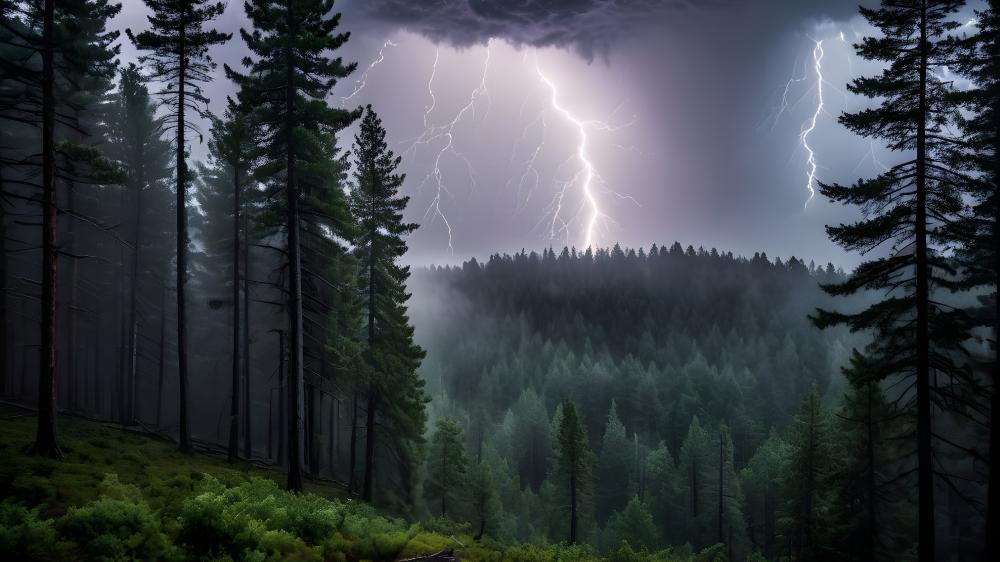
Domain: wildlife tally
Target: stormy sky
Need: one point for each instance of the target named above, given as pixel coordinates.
(536, 123)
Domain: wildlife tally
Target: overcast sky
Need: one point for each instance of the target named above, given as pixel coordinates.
(678, 102)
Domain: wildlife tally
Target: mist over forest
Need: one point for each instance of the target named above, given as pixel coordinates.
(216, 344)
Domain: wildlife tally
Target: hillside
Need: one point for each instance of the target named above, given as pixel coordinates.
(119, 495)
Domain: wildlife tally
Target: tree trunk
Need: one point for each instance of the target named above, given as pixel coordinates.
(871, 529)
(134, 287)
(370, 433)
(572, 505)
(722, 460)
(295, 403)
(234, 406)
(45, 438)
(4, 364)
(184, 437)
(991, 551)
(163, 343)
(72, 361)
(925, 469)
(281, 395)
(247, 439)
(372, 389)
(352, 477)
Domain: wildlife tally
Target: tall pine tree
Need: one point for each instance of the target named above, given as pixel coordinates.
(178, 46)
(288, 80)
(395, 392)
(905, 210)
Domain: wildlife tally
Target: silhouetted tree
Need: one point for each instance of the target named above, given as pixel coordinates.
(905, 208)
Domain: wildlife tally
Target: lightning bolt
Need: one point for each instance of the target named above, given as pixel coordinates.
(585, 175)
(810, 124)
(446, 133)
(783, 106)
(362, 81)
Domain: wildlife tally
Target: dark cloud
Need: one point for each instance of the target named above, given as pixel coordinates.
(589, 26)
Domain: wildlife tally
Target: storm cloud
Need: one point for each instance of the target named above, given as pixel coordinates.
(590, 27)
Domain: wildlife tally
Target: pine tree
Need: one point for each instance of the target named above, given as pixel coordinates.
(978, 58)
(810, 463)
(632, 525)
(394, 388)
(573, 461)
(223, 187)
(483, 500)
(613, 468)
(447, 465)
(762, 483)
(287, 82)
(694, 468)
(905, 208)
(860, 500)
(77, 63)
(178, 46)
(134, 137)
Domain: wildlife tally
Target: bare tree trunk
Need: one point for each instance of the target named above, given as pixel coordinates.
(925, 468)
(184, 437)
(45, 438)
(234, 406)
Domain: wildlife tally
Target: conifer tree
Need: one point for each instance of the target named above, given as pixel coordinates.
(859, 501)
(178, 57)
(573, 459)
(287, 82)
(978, 58)
(223, 186)
(810, 464)
(905, 210)
(394, 388)
(483, 500)
(762, 483)
(75, 64)
(447, 465)
(613, 468)
(134, 136)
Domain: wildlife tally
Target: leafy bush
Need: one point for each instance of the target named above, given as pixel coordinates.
(23, 533)
(119, 525)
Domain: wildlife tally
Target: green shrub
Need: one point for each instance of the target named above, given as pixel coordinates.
(118, 525)
(23, 533)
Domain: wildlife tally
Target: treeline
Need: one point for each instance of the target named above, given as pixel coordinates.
(680, 366)
(255, 294)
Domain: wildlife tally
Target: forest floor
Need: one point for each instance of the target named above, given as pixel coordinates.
(93, 449)
(122, 495)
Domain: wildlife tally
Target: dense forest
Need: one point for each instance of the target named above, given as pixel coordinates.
(228, 357)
